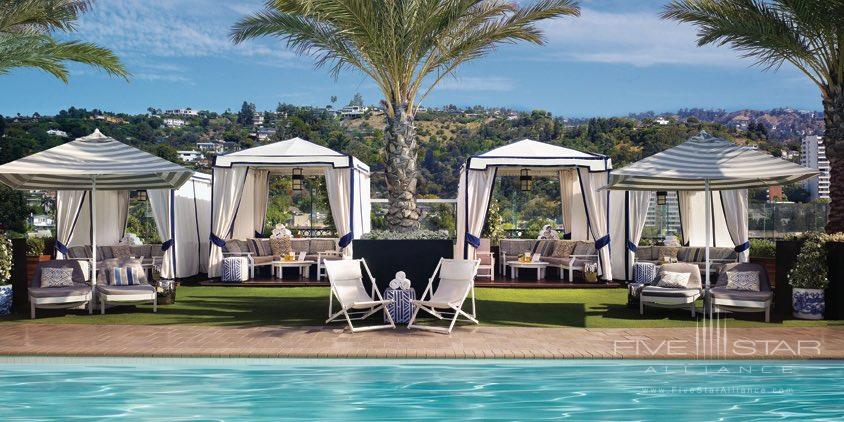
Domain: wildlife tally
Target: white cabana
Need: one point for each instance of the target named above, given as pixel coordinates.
(240, 192)
(581, 176)
(188, 229)
(695, 169)
(88, 166)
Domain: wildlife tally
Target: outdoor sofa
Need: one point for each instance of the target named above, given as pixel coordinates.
(582, 253)
(718, 257)
(259, 253)
(150, 255)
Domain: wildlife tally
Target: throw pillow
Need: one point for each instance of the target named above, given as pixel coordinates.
(743, 280)
(124, 276)
(122, 251)
(563, 249)
(674, 280)
(280, 246)
(57, 277)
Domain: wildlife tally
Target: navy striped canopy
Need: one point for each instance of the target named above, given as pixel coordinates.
(74, 165)
(704, 157)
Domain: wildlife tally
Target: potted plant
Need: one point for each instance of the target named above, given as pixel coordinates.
(34, 254)
(763, 252)
(808, 278)
(5, 275)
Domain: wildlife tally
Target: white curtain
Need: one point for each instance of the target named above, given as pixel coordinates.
(579, 220)
(160, 203)
(567, 181)
(735, 216)
(596, 203)
(261, 192)
(628, 211)
(337, 183)
(193, 226)
(68, 208)
(202, 202)
(473, 194)
(363, 201)
(227, 191)
(110, 216)
(684, 204)
(695, 214)
(244, 218)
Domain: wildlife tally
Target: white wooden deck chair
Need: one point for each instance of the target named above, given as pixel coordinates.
(457, 282)
(355, 304)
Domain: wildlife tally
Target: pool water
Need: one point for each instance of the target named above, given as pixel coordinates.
(321, 389)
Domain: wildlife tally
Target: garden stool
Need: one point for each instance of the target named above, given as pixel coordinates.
(235, 269)
(401, 310)
(644, 272)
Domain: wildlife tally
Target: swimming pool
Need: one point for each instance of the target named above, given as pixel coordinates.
(255, 389)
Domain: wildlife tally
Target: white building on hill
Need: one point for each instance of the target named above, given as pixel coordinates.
(813, 155)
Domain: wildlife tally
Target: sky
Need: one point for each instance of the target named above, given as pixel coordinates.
(617, 58)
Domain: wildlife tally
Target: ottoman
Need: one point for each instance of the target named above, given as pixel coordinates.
(402, 309)
(235, 269)
(644, 272)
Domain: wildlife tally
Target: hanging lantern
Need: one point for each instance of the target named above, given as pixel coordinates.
(525, 180)
(661, 197)
(140, 195)
(297, 178)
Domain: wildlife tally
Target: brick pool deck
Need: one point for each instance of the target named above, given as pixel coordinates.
(465, 342)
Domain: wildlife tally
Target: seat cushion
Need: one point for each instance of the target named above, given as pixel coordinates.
(725, 293)
(668, 292)
(563, 248)
(126, 290)
(644, 253)
(76, 290)
(141, 251)
(77, 252)
(321, 245)
(300, 245)
(692, 269)
(105, 252)
(259, 260)
(584, 248)
(513, 247)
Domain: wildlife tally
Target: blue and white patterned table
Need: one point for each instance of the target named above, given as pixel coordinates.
(402, 309)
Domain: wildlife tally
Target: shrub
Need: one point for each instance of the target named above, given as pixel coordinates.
(763, 248)
(412, 235)
(5, 259)
(810, 271)
(35, 246)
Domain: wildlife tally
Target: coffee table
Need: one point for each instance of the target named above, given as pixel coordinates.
(303, 266)
(540, 267)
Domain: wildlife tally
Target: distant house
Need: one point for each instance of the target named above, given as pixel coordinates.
(174, 122)
(218, 147)
(108, 119)
(190, 156)
(353, 112)
(662, 121)
(206, 146)
(41, 221)
(56, 132)
(258, 119)
(740, 122)
(182, 112)
(265, 133)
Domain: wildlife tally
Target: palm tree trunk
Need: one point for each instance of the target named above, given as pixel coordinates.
(401, 170)
(833, 140)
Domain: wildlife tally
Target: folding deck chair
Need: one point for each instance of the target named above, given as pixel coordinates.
(457, 281)
(355, 303)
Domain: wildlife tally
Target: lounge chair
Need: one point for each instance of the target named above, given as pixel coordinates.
(355, 303)
(456, 283)
(59, 297)
(487, 258)
(667, 297)
(723, 298)
(110, 294)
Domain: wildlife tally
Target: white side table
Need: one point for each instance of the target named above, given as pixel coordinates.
(303, 267)
(540, 267)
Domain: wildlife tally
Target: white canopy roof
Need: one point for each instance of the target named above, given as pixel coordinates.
(281, 157)
(705, 157)
(72, 166)
(539, 157)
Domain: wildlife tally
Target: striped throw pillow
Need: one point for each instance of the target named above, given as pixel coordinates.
(124, 276)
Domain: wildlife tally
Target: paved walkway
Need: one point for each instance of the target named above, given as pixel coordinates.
(465, 342)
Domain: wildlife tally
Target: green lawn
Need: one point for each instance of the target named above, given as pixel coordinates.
(251, 306)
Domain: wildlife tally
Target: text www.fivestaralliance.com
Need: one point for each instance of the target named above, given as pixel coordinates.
(715, 390)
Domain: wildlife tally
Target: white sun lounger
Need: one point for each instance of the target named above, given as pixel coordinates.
(457, 281)
(355, 303)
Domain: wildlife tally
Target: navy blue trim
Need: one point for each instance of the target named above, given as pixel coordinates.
(627, 242)
(566, 236)
(61, 248)
(172, 229)
(602, 242)
(466, 208)
(217, 241)
(345, 240)
(632, 247)
(473, 240)
(259, 235)
(743, 247)
(348, 237)
(585, 207)
(683, 239)
(167, 245)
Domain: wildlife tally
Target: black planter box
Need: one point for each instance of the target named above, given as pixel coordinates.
(787, 251)
(417, 258)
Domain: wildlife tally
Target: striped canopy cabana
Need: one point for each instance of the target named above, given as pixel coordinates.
(705, 158)
(97, 162)
(707, 163)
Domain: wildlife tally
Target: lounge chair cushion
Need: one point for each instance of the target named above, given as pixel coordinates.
(126, 290)
(764, 285)
(56, 277)
(77, 276)
(77, 289)
(725, 293)
(105, 273)
(656, 291)
(673, 280)
(682, 267)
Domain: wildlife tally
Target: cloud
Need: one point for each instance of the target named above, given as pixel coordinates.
(476, 83)
(634, 38)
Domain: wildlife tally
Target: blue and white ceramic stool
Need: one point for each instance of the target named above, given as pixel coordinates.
(644, 272)
(235, 269)
(402, 309)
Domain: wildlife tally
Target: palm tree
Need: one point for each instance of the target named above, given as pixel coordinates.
(26, 38)
(809, 34)
(406, 47)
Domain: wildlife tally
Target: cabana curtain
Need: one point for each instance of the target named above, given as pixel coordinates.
(227, 189)
(68, 207)
(161, 204)
(473, 191)
(567, 180)
(629, 212)
(596, 204)
(110, 217)
(735, 214)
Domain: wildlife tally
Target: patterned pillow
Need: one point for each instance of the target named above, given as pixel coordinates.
(280, 246)
(674, 280)
(124, 276)
(743, 280)
(57, 277)
(122, 251)
(563, 249)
